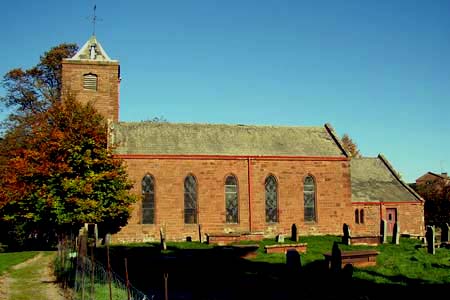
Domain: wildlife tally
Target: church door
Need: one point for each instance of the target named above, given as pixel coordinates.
(391, 219)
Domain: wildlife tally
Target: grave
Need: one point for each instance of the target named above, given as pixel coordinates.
(229, 238)
(357, 258)
(368, 240)
(284, 248)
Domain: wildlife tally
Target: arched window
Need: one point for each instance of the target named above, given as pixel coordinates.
(190, 200)
(148, 199)
(90, 82)
(309, 195)
(231, 199)
(361, 216)
(271, 199)
(356, 216)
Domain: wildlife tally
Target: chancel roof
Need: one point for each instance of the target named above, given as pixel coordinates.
(375, 180)
(219, 139)
(92, 50)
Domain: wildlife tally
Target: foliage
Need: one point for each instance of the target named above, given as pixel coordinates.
(437, 202)
(160, 119)
(350, 146)
(34, 90)
(58, 173)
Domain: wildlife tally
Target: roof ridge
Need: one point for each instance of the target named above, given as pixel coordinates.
(398, 177)
(216, 124)
(335, 138)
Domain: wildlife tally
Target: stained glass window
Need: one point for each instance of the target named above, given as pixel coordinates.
(309, 194)
(231, 199)
(190, 200)
(148, 199)
(271, 199)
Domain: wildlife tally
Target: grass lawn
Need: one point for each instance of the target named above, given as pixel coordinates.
(10, 259)
(201, 271)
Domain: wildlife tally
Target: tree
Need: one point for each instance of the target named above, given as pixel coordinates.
(64, 175)
(350, 146)
(437, 201)
(34, 90)
(56, 171)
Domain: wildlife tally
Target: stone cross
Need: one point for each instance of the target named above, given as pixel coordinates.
(383, 227)
(347, 234)
(444, 233)
(294, 235)
(430, 237)
(396, 234)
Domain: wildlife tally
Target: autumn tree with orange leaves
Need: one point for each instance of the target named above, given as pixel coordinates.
(57, 172)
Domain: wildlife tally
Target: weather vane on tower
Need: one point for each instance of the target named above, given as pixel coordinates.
(94, 19)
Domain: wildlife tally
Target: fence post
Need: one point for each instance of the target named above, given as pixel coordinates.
(166, 292)
(92, 273)
(126, 278)
(109, 272)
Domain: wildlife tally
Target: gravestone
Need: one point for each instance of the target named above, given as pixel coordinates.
(82, 240)
(294, 235)
(347, 234)
(200, 232)
(107, 240)
(280, 238)
(396, 234)
(430, 237)
(383, 229)
(293, 261)
(336, 259)
(444, 233)
(163, 239)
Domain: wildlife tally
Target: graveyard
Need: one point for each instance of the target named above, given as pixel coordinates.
(193, 270)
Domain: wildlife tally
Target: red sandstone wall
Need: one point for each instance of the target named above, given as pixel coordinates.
(106, 98)
(333, 197)
(409, 215)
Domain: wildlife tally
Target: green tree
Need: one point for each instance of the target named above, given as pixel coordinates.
(350, 146)
(34, 90)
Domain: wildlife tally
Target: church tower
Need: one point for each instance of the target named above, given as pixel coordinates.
(91, 76)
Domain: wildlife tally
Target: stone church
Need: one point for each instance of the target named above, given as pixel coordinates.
(195, 180)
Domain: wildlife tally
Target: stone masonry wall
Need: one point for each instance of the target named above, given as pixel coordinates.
(332, 194)
(106, 98)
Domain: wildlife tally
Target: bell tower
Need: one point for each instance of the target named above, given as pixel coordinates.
(91, 76)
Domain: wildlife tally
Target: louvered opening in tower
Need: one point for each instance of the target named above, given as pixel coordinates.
(90, 82)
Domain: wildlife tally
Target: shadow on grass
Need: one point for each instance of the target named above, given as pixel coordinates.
(220, 273)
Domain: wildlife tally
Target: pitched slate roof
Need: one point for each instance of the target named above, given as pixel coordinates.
(97, 54)
(219, 139)
(375, 180)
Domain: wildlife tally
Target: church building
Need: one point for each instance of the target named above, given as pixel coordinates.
(198, 180)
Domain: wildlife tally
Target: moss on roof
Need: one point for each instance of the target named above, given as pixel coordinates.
(374, 180)
(219, 139)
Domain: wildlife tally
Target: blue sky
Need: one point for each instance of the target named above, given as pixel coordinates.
(377, 70)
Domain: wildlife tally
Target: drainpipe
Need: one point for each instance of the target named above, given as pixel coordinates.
(249, 177)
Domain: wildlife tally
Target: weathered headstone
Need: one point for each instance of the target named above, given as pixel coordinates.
(336, 259)
(280, 238)
(200, 232)
(163, 239)
(396, 234)
(383, 229)
(294, 235)
(347, 235)
(430, 237)
(82, 240)
(444, 233)
(108, 239)
(293, 261)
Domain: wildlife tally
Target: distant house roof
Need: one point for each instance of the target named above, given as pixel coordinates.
(430, 176)
(375, 180)
(219, 139)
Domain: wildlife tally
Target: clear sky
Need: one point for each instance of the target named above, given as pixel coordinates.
(377, 70)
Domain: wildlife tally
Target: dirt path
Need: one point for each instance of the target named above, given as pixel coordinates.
(32, 279)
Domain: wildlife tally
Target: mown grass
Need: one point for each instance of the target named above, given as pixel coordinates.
(10, 259)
